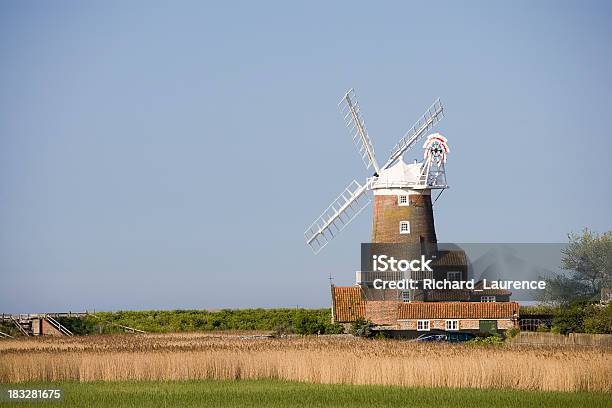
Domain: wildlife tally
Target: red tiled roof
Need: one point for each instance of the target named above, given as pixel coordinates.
(457, 310)
(348, 303)
(381, 312)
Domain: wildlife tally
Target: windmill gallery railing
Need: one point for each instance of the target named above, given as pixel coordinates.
(374, 181)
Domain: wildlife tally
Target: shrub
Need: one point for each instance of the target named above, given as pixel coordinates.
(310, 321)
(308, 324)
(80, 326)
(512, 332)
(361, 328)
(571, 318)
(334, 329)
(600, 321)
(282, 329)
(489, 340)
(539, 310)
(381, 336)
(10, 329)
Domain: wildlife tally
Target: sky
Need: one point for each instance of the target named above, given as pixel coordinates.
(169, 155)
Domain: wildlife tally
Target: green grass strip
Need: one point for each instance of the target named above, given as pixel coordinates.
(272, 394)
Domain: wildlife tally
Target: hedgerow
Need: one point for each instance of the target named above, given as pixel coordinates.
(301, 321)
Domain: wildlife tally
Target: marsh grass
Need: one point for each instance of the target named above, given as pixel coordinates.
(318, 360)
(277, 394)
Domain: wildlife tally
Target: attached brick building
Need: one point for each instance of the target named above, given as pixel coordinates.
(414, 318)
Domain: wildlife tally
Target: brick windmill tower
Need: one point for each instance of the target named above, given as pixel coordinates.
(403, 210)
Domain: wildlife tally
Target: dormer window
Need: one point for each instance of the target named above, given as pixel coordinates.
(402, 200)
(453, 276)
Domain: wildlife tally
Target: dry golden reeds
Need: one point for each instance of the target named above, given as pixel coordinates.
(341, 360)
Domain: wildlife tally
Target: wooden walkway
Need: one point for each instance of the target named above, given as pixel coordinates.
(30, 324)
(29, 316)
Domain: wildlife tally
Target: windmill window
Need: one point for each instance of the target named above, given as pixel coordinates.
(453, 276)
(404, 227)
(422, 325)
(452, 325)
(487, 299)
(403, 200)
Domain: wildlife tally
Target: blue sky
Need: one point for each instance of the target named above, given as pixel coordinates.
(170, 154)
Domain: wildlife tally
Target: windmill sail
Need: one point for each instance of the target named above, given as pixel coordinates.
(338, 215)
(430, 118)
(355, 197)
(356, 126)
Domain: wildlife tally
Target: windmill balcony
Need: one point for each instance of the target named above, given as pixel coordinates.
(375, 182)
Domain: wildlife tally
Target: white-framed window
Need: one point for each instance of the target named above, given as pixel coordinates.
(405, 296)
(403, 200)
(487, 298)
(404, 227)
(453, 276)
(422, 325)
(452, 325)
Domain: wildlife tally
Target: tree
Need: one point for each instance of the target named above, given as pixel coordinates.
(600, 321)
(571, 318)
(583, 317)
(588, 260)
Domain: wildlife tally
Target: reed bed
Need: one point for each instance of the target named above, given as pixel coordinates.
(322, 360)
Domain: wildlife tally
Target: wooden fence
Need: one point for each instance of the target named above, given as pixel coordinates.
(573, 339)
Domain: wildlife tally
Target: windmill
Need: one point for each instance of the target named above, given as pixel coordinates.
(402, 192)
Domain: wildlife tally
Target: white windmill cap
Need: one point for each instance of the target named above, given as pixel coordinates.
(400, 175)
